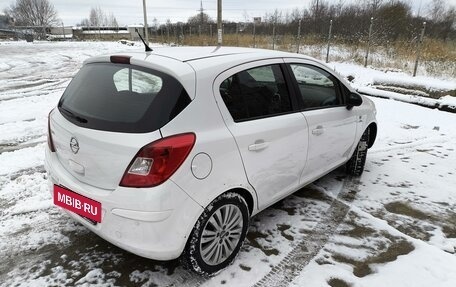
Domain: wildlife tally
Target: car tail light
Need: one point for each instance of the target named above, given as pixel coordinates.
(157, 161)
(49, 137)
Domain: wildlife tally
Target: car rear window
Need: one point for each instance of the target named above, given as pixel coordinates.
(122, 98)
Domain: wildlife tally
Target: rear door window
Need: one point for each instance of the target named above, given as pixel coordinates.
(122, 98)
(256, 93)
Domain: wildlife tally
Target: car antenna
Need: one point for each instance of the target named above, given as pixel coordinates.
(148, 49)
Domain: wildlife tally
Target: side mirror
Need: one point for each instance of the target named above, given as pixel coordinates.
(354, 100)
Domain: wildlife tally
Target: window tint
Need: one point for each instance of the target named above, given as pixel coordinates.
(122, 98)
(318, 88)
(255, 93)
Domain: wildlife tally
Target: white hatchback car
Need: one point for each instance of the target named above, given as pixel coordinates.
(170, 153)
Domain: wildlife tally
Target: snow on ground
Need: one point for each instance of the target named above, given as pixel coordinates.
(396, 225)
(367, 76)
(374, 82)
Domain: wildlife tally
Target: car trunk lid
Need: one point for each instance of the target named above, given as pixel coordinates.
(94, 157)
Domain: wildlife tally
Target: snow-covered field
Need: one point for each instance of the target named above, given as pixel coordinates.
(394, 226)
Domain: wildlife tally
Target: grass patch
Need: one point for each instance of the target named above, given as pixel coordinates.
(362, 268)
(402, 208)
(312, 193)
(336, 282)
(450, 229)
(359, 232)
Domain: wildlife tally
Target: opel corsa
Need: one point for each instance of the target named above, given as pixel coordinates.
(169, 153)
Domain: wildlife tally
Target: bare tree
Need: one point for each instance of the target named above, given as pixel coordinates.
(112, 21)
(155, 24)
(374, 5)
(246, 16)
(437, 10)
(84, 23)
(36, 13)
(98, 18)
(94, 17)
(196, 19)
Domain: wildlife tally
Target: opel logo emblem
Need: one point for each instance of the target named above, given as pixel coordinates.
(74, 145)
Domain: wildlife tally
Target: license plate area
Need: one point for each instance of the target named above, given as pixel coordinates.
(88, 208)
(93, 222)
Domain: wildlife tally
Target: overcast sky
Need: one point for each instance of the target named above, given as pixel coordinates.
(130, 11)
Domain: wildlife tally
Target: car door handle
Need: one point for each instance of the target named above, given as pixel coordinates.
(258, 146)
(318, 131)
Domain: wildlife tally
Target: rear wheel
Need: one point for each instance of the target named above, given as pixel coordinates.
(218, 235)
(355, 165)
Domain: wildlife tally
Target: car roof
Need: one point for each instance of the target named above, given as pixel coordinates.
(212, 55)
(213, 60)
(209, 55)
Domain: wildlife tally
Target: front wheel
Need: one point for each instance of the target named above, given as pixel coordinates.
(218, 235)
(355, 165)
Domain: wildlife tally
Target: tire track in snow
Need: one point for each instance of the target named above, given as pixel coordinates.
(12, 147)
(409, 145)
(291, 266)
(21, 161)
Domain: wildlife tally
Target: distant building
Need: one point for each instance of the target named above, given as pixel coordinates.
(133, 34)
(101, 33)
(5, 28)
(5, 22)
(61, 32)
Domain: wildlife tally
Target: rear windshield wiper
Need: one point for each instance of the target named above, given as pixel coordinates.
(72, 115)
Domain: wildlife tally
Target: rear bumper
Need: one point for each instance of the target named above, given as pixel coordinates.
(150, 222)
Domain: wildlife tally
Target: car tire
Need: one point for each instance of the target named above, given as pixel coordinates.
(213, 246)
(355, 165)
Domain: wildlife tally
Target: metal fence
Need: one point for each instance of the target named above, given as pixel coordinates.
(273, 36)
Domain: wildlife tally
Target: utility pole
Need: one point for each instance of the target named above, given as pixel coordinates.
(418, 52)
(237, 34)
(219, 23)
(200, 26)
(368, 42)
(273, 35)
(329, 40)
(299, 36)
(254, 34)
(146, 33)
(182, 35)
(316, 17)
(63, 30)
(201, 10)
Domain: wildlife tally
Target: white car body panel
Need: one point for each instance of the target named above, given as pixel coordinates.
(273, 149)
(215, 140)
(332, 134)
(274, 153)
(137, 220)
(102, 156)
